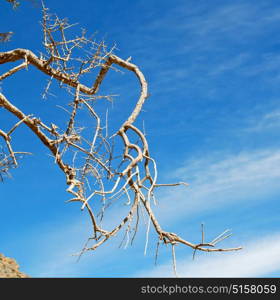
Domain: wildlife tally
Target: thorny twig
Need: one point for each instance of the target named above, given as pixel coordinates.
(92, 170)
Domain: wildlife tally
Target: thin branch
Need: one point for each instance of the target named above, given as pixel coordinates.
(86, 155)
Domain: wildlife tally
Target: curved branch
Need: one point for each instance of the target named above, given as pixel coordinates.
(140, 182)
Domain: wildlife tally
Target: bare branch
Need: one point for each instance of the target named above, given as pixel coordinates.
(85, 153)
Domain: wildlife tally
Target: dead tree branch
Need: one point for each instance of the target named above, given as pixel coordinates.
(91, 170)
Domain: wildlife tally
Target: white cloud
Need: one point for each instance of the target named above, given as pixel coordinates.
(242, 18)
(53, 251)
(258, 258)
(268, 121)
(230, 64)
(267, 63)
(216, 181)
(232, 169)
(224, 19)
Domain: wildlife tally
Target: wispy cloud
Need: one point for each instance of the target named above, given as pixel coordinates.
(214, 183)
(218, 180)
(267, 63)
(232, 22)
(202, 20)
(208, 40)
(268, 121)
(223, 19)
(231, 169)
(54, 251)
(230, 64)
(258, 258)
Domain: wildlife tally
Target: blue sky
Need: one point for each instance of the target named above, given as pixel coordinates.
(212, 119)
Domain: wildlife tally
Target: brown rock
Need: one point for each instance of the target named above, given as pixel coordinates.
(9, 268)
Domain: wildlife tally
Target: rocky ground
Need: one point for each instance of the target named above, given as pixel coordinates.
(9, 268)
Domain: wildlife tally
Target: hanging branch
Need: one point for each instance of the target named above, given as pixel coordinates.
(91, 169)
